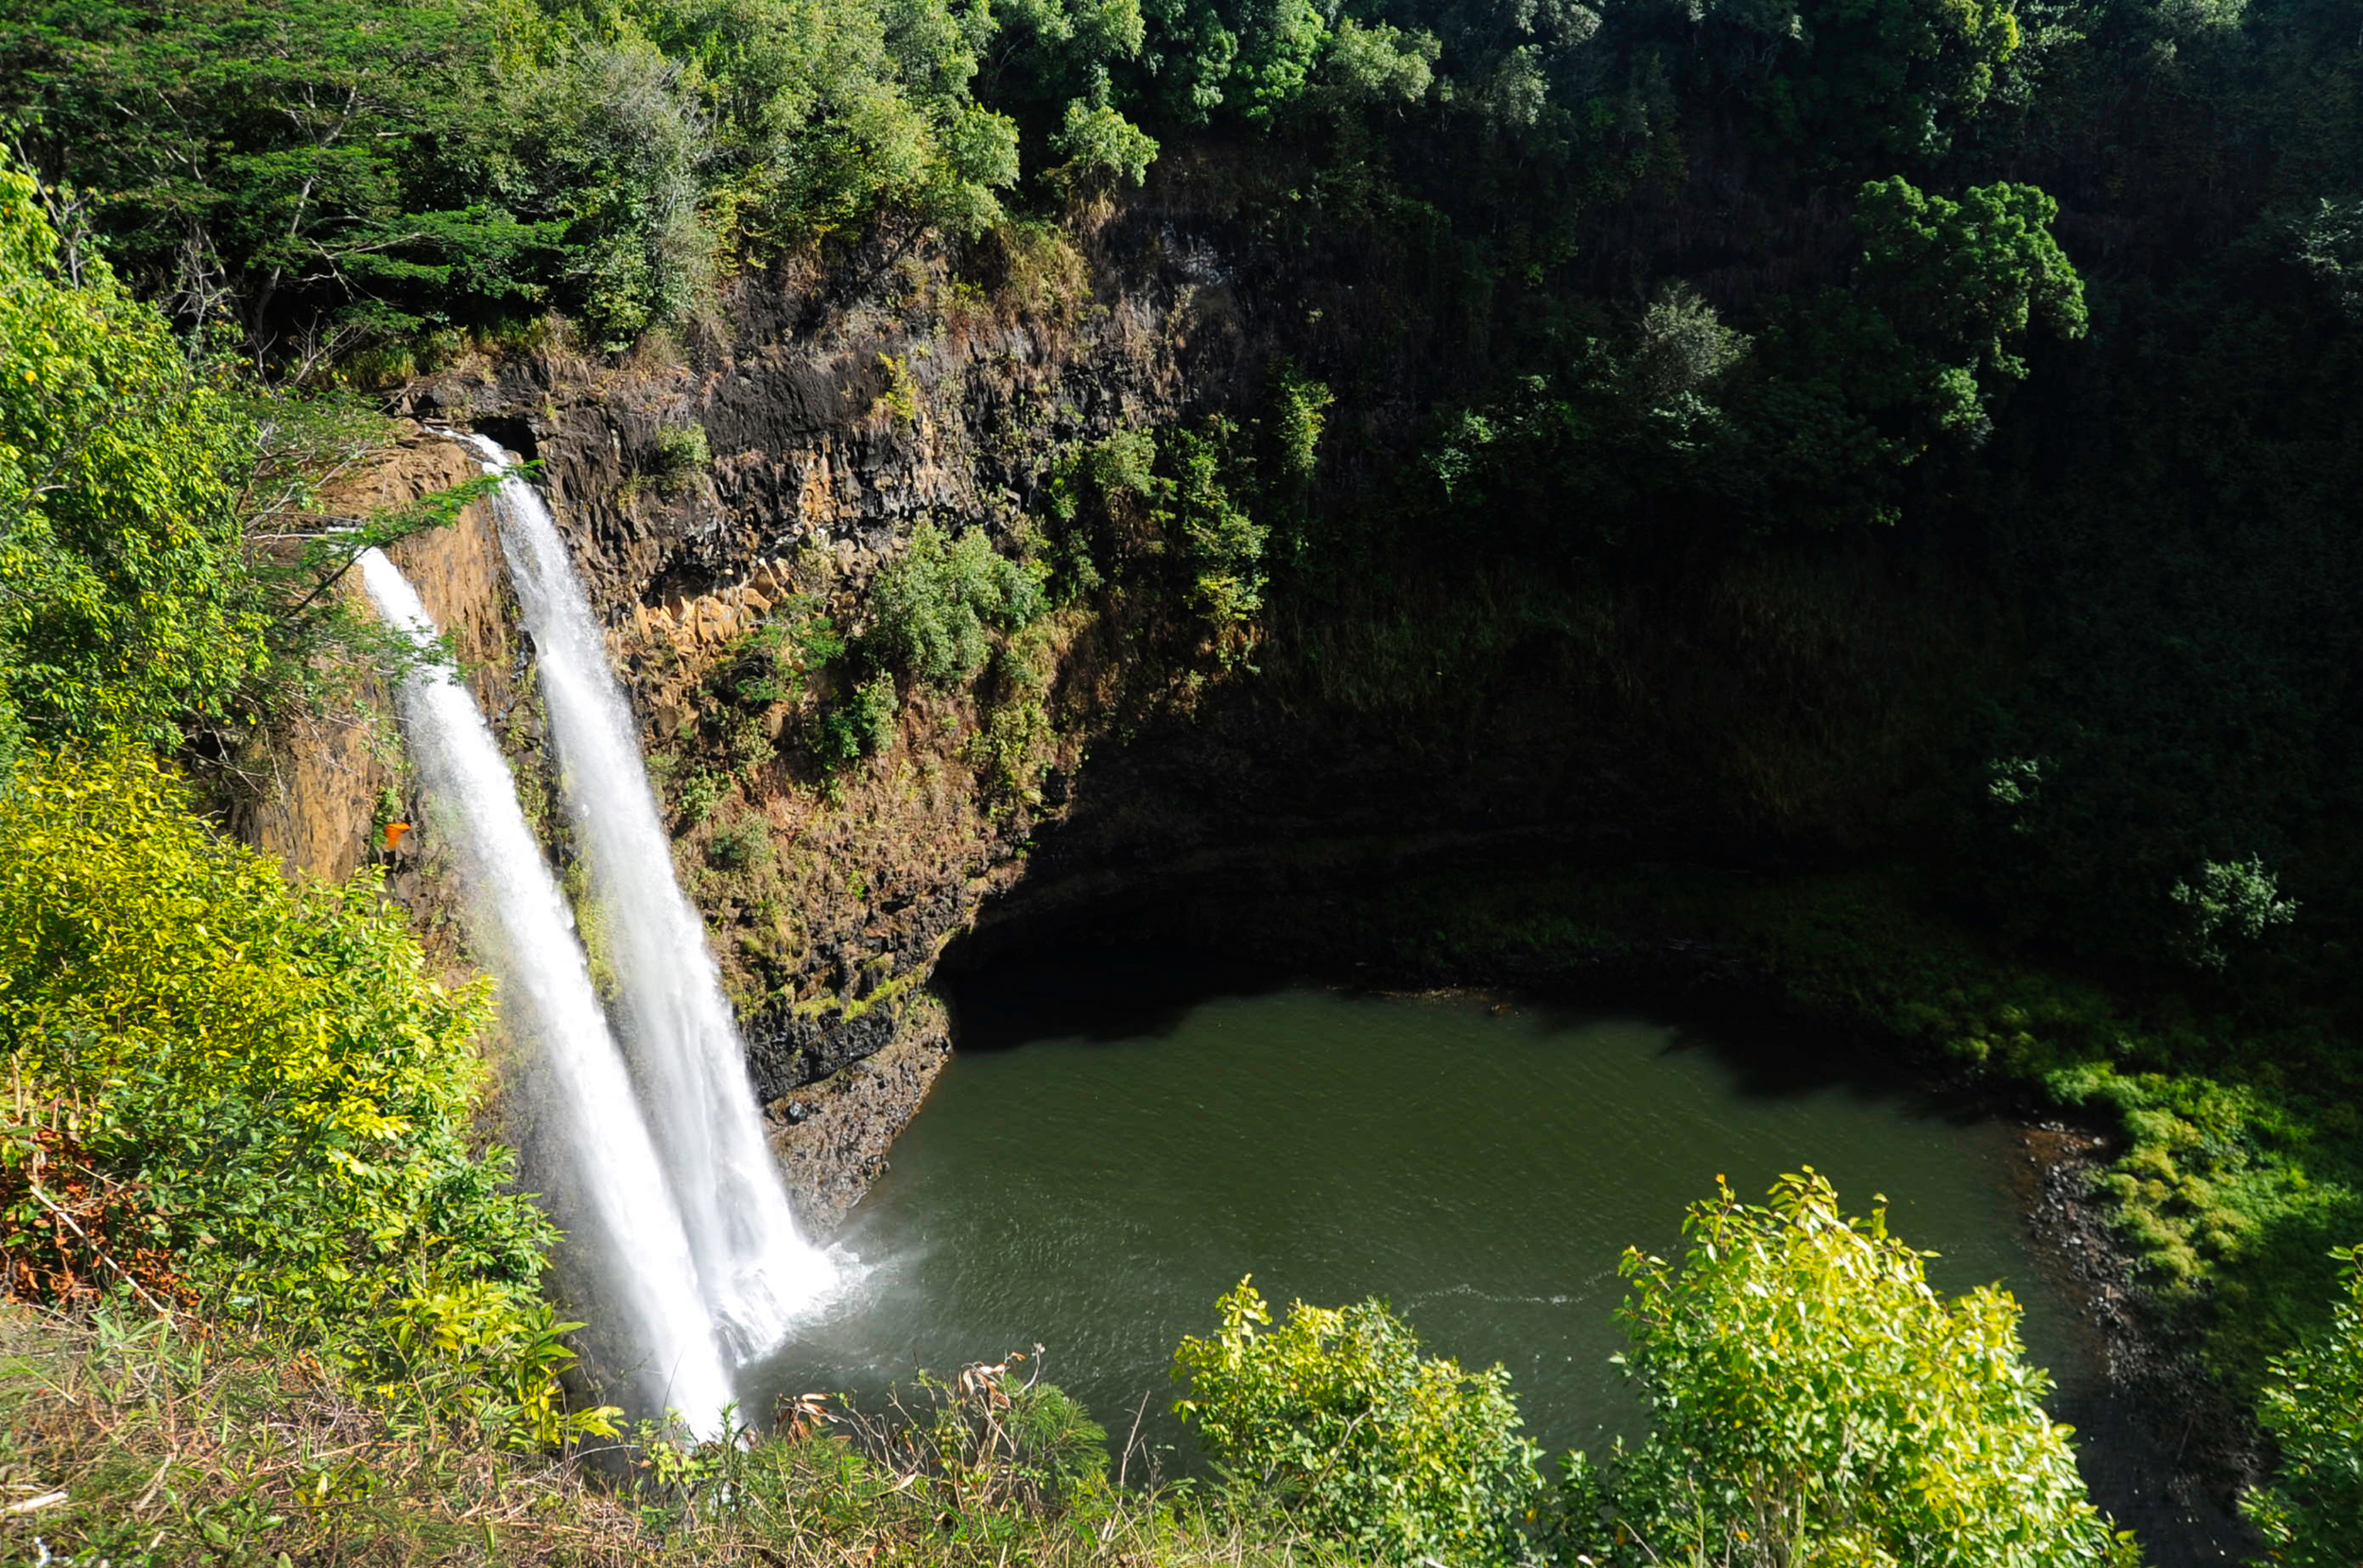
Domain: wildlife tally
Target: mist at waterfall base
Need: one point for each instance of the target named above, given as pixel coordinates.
(1120, 1138)
(680, 1034)
(626, 1265)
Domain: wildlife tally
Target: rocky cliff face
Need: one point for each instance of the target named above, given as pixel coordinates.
(747, 481)
(321, 789)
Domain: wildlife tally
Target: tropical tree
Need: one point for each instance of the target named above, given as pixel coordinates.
(124, 604)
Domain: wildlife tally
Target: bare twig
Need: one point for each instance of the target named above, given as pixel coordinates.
(98, 1251)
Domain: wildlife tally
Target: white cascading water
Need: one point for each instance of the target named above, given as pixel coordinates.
(753, 1271)
(613, 1198)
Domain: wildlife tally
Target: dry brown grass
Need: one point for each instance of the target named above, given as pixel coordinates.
(139, 1440)
(134, 1440)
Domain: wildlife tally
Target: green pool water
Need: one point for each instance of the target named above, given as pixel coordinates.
(1120, 1140)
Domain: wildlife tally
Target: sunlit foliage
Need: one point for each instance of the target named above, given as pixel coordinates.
(123, 601)
(1404, 1456)
(1812, 1399)
(279, 1072)
(2311, 1513)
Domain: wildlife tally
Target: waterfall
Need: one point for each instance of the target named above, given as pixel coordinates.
(625, 1240)
(753, 1271)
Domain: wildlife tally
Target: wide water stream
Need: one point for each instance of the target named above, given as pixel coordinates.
(1120, 1139)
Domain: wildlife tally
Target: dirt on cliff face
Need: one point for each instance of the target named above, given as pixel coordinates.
(318, 789)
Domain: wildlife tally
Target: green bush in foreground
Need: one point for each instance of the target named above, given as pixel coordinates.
(276, 1071)
(1395, 1454)
(2311, 1514)
(1811, 1400)
(1814, 1401)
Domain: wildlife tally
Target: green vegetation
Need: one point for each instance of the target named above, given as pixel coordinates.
(2311, 1515)
(1812, 1400)
(330, 176)
(1337, 1413)
(1148, 523)
(172, 1449)
(275, 1089)
(133, 477)
(931, 607)
(125, 605)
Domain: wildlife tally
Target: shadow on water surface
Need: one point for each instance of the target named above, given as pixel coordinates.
(1107, 995)
(1129, 992)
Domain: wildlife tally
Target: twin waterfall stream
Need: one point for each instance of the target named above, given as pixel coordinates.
(642, 1130)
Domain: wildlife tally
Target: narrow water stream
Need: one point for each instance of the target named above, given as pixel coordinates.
(1119, 1140)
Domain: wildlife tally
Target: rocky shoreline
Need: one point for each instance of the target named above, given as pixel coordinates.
(2163, 1447)
(832, 1136)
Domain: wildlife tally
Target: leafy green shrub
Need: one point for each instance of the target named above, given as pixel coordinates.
(127, 606)
(743, 843)
(1812, 1400)
(773, 662)
(1101, 147)
(276, 1070)
(1375, 64)
(899, 401)
(993, 1436)
(1015, 743)
(700, 793)
(1097, 502)
(610, 141)
(1224, 545)
(862, 725)
(2233, 904)
(746, 739)
(930, 607)
(1685, 346)
(1178, 504)
(682, 452)
(2311, 1513)
(1966, 281)
(1401, 1455)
